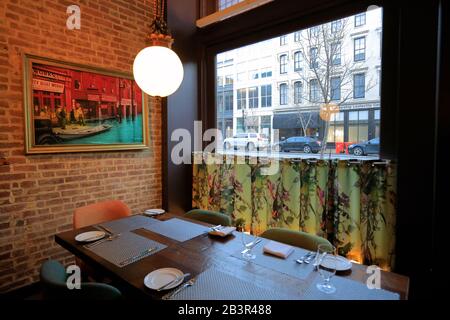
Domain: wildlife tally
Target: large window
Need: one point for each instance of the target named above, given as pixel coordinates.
(283, 91)
(298, 92)
(228, 100)
(360, 49)
(335, 52)
(266, 96)
(336, 26)
(359, 86)
(360, 19)
(241, 99)
(253, 97)
(358, 126)
(314, 90)
(297, 61)
(283, 64)
(313, 52)
(335, 88)
(283, 94)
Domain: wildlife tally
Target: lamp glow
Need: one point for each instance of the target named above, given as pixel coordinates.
(158, 71)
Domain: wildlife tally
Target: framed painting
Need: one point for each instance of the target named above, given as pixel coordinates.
(76, 108)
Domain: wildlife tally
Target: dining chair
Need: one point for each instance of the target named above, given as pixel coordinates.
(295, 238)
(100, 212)
(211, 217)
(53, 278)
(93, 214)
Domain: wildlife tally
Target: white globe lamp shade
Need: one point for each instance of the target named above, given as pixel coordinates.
(158, 71)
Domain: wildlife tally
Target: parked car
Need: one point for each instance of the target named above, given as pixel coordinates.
(365, 148)
(303, 144)
(249, 141)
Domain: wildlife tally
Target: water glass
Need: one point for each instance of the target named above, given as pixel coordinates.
(326, 262)
(248, 243)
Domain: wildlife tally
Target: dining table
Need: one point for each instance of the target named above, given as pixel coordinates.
(195, 254)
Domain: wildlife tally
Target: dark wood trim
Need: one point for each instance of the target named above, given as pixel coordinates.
(275, 19)
(164, 155)
(182, 106)
(409, 90)
(207, 7)
(442, 168)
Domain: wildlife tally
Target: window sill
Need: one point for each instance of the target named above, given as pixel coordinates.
(232, 11)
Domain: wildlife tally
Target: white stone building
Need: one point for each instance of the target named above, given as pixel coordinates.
(267, 85)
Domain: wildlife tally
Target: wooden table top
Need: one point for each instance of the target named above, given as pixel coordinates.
(191, 256)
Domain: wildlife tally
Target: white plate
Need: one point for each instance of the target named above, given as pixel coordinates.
(90, 236)
(158, 278)
(154, 212)
(342, 264)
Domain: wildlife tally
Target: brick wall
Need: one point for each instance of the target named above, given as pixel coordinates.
(39, 193)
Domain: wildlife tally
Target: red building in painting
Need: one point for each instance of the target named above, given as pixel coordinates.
(101, 97)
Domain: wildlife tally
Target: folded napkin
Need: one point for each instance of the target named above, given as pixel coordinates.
(278, 249)
(222, 232)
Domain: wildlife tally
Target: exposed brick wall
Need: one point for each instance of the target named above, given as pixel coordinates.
(39, 193)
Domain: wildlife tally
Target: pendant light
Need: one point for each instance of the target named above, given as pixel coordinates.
(158, 70)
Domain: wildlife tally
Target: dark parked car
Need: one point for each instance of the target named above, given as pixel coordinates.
(365, 148)
(304, 144)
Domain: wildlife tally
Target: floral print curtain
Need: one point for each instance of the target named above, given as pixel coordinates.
(352, 204)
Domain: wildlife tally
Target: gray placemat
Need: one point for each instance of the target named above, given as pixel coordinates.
(127, 246)
(287, 266)
(217, 285)
(178, 229)
(347, 289)
(128, 224)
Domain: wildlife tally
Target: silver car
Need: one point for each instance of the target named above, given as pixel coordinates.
(247, 141)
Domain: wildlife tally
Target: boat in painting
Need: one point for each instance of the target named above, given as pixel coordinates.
(76, 131)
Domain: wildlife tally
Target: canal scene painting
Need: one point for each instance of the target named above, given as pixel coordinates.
(74, 108)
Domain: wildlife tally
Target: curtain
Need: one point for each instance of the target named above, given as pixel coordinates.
(351, 204)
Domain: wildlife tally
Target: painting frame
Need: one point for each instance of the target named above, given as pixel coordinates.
(31, 147)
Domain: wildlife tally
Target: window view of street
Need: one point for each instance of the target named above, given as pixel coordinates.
(313, 92)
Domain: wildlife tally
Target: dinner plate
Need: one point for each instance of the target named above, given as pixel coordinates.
(158, 278)
(342, 264)
(154, 212)
(90, 236)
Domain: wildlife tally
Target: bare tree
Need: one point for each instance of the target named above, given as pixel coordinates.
(329, 72)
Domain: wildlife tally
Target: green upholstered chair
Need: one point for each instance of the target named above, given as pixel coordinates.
(211, 217)
(53, 279)
(295, 238)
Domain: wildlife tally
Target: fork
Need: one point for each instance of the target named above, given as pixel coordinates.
(190, 283)
(309, 259)
(137, 257)
(109, 238)
(251, 245)
(304, 258)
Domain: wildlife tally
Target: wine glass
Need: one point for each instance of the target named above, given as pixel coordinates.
(248, 242)
(326, 262)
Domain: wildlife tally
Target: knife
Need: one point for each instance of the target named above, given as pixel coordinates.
(137, 257)
(173, 281)
(105, 229)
